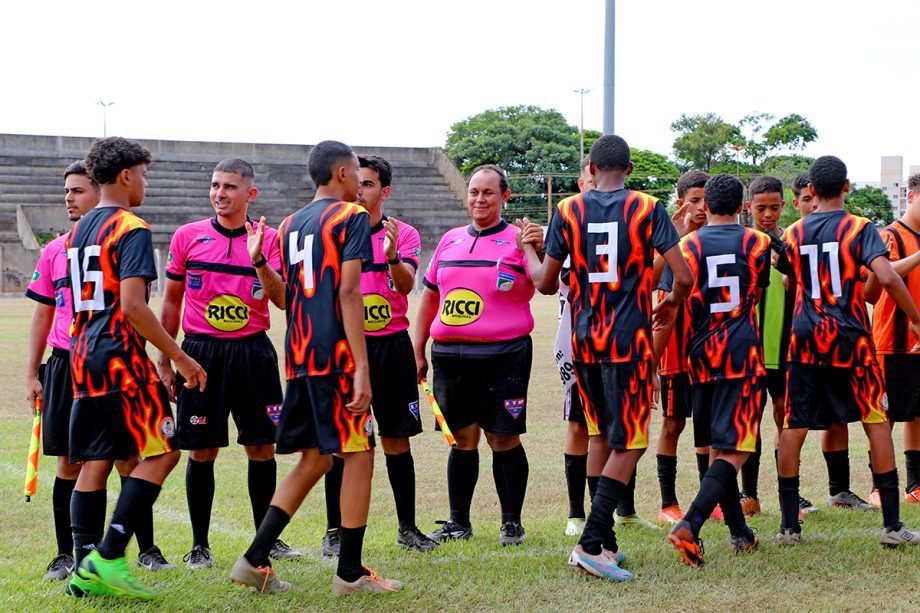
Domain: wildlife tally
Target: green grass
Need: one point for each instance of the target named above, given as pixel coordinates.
(839, 566)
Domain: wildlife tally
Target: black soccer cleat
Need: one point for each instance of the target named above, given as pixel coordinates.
(331, 543)
(512, 533)
(413, 539)
(451, 530)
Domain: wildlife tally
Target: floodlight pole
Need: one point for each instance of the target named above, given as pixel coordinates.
(581, 126)
(609, 63)
(105, 106)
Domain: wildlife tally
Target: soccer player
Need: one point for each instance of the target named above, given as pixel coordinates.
(224, 322)
(674, 380)
(611, 234)
(833, 372)
(325, 408)
(120, 407)
(51, 323)
(894, 340)
(385, 283)
(476, 307)
(730, 265)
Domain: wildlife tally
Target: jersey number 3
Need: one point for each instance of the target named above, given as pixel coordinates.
(609, 249)
(97, 302)
(304, 255)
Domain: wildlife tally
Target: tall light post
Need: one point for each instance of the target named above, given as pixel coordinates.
(745, 214)
(581, 127)
(105, 106)
(610, 11)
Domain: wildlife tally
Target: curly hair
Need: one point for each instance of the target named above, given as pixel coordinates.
(913, 182)
(724, 194)
(828, 176)
(610, 152)
(109, 156)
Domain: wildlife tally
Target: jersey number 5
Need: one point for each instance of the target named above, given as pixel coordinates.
(832, 250)
(731, 282)
(97, 302)
(609, 249)
(304, 255)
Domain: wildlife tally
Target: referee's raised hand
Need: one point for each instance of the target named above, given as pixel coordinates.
(254, 238)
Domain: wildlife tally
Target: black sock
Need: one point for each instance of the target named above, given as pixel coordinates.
(667, 479)
(350, 567)
(912, 457)
(599, 527)
(887, 484)
(87, 517)
(712, 490)
(136, 497)
(576, 470)
(143, 532)
(199, 492)
(510, 471)
(702, 465)
(261, 479)
(870, 461)
(592, 486)
(269, 531)
(750, 473)
(731, 509)
(60, 506)
(789, 503)
(462, 475)
(838, 471)
(627, 504)
(333, 487)
(401, 471)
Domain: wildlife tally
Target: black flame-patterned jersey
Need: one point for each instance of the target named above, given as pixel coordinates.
(729, 263)
(611, 238)
(107, 354)
(315, 242)
(830, 323)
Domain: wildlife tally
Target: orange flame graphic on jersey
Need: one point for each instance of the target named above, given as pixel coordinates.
(351, 426)
(144, 414)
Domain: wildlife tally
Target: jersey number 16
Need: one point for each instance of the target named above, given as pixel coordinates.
(97, 302)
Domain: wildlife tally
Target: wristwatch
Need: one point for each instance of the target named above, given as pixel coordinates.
(262, 262)
(395, 260)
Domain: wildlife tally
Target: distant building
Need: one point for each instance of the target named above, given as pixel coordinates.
(893, 183)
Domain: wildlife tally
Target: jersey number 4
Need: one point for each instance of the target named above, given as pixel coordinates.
(77, 280)
(832, 250)
(304, 256)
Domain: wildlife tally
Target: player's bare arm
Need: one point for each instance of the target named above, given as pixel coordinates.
(352, 304)
(134, 306)
(902, 268)
(42, 320)
(170, 316)
(272, 283)
(427, 311)
(402, 273)
(895, 287)
(666, 310)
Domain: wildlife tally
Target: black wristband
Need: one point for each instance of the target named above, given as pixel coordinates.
(262, 262)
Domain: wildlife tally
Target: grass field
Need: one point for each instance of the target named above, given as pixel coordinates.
(840, 566)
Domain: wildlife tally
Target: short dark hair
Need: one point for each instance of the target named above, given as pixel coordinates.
(765, 185)
(79, 168)
(689, 180)
(800, 182)
(324, 157)
(383, 168)
(109, 156)
(502, 175)
(585, 162)
(828, 176)
(913, 182)
(237, 167)
(724, 194)
(610, 152)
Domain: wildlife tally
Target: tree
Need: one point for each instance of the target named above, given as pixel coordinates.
(763, 138)
(654, 174)
(871, 203)
(704, 139)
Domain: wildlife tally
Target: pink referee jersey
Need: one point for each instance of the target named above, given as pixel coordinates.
(484, 286)
(223, 296)
(384, 307)
(49, 286)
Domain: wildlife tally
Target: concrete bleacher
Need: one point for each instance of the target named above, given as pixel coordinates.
(428, 191)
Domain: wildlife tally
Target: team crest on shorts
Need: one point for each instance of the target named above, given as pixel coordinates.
(369, 426)
(885, 402)
(168, 427)
(194, 280)
(256, 290)
(195, 420)
(413, 408)
(514, 407)
(274, 412)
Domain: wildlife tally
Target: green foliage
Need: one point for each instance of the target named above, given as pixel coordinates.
(44, 238)
(871, 203)
(764, 138)
(654, 174)
(704, 139)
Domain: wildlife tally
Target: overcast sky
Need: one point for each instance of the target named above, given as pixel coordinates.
(399, 73)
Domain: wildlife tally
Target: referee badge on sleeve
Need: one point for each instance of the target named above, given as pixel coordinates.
(514, 407)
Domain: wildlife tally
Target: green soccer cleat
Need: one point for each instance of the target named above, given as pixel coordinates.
(113, 574)
(81, 588)
(634, 520)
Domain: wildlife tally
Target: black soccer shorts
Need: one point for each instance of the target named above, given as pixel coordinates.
(675, 395)
(902, 384)
(727, 413)
(820, 396)
(57, 400)
(393, 384)
(617, 398)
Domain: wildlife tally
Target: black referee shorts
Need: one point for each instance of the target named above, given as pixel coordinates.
(57, 400)
(393, 384)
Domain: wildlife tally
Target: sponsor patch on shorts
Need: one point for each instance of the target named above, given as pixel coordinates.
(514, 406)
(413, 408)
(168, 427)
(369, 426)
(194, 280)
(274, 412)
(196, 420)
(885, 402)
